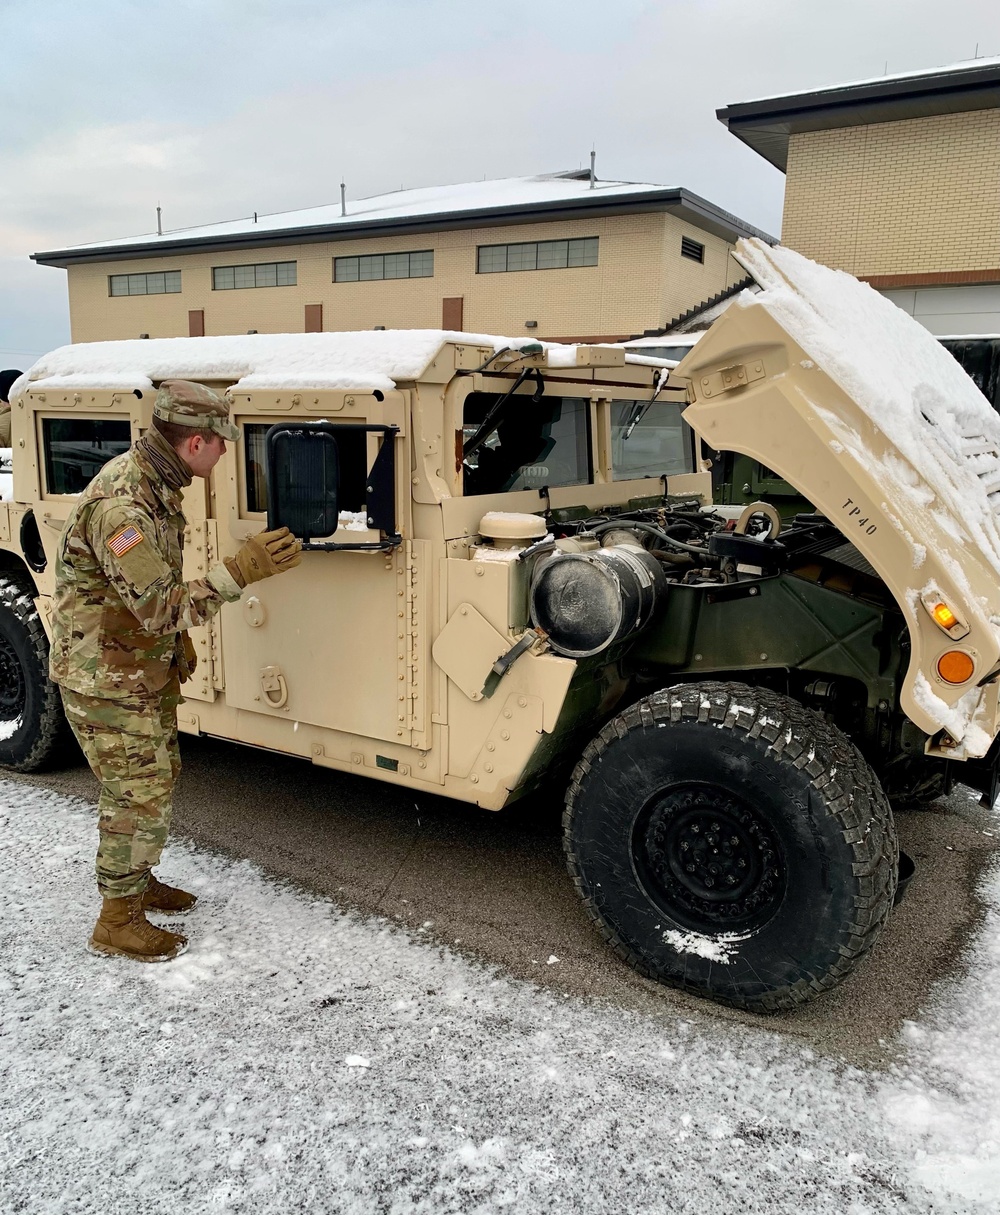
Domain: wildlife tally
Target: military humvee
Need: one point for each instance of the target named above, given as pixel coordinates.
(515, 579)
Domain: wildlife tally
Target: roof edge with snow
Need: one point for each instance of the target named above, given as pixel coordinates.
(766, 124)
(583, 205)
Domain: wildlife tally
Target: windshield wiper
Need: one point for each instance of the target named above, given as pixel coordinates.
(492, 420)
(641, 408)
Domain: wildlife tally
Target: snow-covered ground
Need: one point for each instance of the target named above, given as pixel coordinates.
(298, 1058)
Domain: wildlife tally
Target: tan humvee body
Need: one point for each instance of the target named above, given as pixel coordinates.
(742, 706)
(370, 662)
(376, 662)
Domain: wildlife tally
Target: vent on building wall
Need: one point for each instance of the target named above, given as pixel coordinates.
(692, 249)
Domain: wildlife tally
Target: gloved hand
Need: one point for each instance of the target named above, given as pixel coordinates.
(265, 554)
(186, 668)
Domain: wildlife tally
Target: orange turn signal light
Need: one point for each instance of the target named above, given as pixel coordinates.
(944, 616)
(956, 666)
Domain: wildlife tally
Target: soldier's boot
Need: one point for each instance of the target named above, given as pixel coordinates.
(123, 931)
(166, 900)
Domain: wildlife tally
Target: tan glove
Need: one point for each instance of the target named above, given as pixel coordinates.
(264, 555)
(186, 668)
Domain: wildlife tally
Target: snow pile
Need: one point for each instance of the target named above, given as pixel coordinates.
(909, 386)
(297, 1058)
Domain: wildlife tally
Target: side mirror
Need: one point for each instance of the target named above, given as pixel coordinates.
(303, 482)
(303, 473)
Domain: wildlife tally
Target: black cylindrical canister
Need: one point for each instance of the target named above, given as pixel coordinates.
(586, 601)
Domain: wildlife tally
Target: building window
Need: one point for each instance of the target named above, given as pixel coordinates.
(265, 274)
(160, 282)
(690, 248)
(372, 267)
(537, 255)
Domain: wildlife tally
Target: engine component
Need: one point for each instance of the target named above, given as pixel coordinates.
(584, 602)
(509, 529)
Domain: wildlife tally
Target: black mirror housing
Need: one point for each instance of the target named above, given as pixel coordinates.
(303, 473)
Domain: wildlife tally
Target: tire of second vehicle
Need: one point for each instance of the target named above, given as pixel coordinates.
(810, 825)
(33, 729)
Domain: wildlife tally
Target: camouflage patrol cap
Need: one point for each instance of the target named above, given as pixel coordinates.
(190, 404)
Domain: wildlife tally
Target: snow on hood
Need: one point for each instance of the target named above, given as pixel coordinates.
(903, 379)
(363, 360)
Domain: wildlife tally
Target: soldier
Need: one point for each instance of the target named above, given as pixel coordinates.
(120, 648)
(7, 378)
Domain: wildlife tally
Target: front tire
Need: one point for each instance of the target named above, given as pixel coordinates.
(33, 729)
(730, 842)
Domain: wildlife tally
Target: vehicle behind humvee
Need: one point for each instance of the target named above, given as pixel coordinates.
(514, 575)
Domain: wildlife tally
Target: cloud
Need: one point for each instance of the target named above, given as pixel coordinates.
(219, 108)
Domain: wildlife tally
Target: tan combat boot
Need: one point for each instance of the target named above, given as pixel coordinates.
(124, 931)
(166, 900)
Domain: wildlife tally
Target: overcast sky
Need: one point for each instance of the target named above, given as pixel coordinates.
(219, 108)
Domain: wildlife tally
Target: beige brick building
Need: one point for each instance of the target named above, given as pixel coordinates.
(898, 181)
(556, 256)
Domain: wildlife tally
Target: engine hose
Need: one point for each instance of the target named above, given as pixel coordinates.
(635, 525)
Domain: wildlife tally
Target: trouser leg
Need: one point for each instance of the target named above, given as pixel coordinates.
(131, 746)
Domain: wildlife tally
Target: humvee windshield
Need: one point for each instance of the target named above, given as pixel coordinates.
(535, 444)
(661, 443)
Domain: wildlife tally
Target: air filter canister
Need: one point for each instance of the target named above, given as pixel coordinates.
(586, 601)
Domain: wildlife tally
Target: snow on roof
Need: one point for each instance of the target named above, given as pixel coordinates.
(661, 339)
(965, 65)
(401, 204)
(364, 360)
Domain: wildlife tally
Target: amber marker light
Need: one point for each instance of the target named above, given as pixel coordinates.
(956, 666)
(944, 616)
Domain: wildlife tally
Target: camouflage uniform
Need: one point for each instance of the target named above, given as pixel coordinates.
(120, 609)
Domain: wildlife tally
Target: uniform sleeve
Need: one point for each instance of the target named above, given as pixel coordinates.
(122, 538)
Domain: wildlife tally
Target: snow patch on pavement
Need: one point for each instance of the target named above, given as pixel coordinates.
(301, 1058)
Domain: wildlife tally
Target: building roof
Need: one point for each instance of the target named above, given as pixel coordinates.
(766, 124)
(511, 200)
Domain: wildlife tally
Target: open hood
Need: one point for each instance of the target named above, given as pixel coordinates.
(855, 404)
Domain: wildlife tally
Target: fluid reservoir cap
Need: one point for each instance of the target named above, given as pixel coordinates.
(508, 529)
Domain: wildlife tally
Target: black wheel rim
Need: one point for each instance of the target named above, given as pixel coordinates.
(12, 686)
(708, 860)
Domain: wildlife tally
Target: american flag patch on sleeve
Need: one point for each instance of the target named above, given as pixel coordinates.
(125, 539)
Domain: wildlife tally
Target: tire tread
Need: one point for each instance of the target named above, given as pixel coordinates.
(837, 770)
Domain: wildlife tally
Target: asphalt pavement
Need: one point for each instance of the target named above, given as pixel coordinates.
(494, 885)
